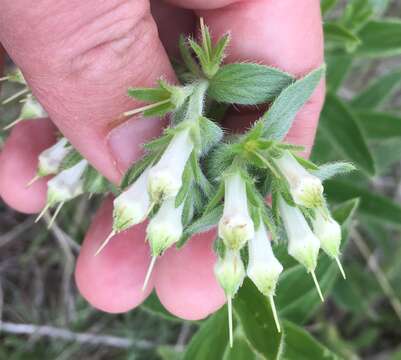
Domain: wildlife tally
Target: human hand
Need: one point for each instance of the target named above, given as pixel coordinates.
(79, 58)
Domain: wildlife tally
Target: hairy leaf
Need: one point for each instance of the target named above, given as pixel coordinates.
(247, 84)
(279, 118)
(329, 170)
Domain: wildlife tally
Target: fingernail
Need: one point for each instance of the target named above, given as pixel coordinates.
(126, 140)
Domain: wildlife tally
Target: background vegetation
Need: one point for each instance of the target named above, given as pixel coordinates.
(43, 316)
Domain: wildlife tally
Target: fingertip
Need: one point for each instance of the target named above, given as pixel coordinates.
(18, 165)
(185, 281)
(112, 281)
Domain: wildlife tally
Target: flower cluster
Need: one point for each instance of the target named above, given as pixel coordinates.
(31, 108)
(194, 178)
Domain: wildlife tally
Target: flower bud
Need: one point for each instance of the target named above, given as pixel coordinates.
(235, 226)
(263, 267)
(17, 77)
(230, 272)
(165, 178)
(31, 109)
(305, 188)
(328, 231)
(132, 206)
(51, 158)
(165, 228)
(67, 184)
(303, 245)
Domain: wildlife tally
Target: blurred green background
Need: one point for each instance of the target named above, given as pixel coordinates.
(43, 317)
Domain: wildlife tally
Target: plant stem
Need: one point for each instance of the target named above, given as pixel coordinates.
(197, 100)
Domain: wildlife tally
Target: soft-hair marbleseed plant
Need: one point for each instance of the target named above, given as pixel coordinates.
(31, 109)
(194, 177)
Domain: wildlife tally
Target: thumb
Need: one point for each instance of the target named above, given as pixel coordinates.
(79, 58)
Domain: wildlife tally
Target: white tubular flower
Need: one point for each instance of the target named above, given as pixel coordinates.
(132, 206)
(303, 245)
(306, 189)
(51, 158)
(328, 231)
(32, 109)
(165, 228)
(236, 226)
(230, 272)
(263, 267)
(165, 178)
(67, 184)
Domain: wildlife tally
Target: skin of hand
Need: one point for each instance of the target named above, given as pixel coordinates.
(79, 58)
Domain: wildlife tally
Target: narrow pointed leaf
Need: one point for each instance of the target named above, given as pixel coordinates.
(377, 92)
(279, 118)
(341, 129)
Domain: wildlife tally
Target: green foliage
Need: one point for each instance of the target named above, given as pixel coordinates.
(377, 92)
(380, 38)
(72, 158)
(247, 84)
(336, 34)
(379, 125)
(343, 133)
(278, 119)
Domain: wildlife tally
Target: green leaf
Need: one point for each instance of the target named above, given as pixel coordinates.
(336, 34)
(153, 305)
(356, 14)
(329, 170)
(241, 349)
(256, 318)
(135, 170)
(327, 5)
(220, 48)
(72, 158)
(341, 129)
(204, 223)
(338, 67)
(380, 38)
(300, 345)
(210, 134)
(94, 182)
(375, 206)
(247, 84)
(187, 181)
(307, 164)
(386, 153)
(149, 94)
(378, 125)
(377, 92)
(187, 56)
(168, 353)
(211, 340)
(215, 200)
(279, 118)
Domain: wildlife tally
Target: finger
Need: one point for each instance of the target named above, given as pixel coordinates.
(185, 281)
(112, 281)
(18, 165)
(171, 23)
(79, 59)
